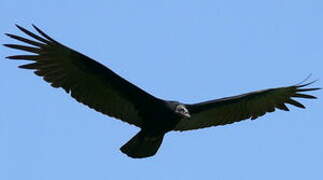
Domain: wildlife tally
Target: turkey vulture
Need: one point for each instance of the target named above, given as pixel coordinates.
(98, 87)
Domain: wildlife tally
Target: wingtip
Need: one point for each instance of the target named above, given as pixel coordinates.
(300, 86)
(43, 33)
(7, 45)
(306, 96)
(19, 27)
(308, 89)
(37, 29)
(10, 35)
(303, 83)
(306, 84)
(34, 26)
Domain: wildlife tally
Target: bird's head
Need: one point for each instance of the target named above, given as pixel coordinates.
(179, 109)
(182, 111)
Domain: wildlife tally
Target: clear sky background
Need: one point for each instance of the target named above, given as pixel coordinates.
(185, 50)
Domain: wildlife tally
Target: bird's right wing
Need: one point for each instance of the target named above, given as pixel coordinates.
(237, 108)
(88, 81)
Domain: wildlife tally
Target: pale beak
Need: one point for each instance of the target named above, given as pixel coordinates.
(187, 115)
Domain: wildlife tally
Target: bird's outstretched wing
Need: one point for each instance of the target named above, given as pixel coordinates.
(237, 108)
(88, 81)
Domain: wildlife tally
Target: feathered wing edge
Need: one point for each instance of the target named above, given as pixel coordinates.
(63, 67)
(229, 109)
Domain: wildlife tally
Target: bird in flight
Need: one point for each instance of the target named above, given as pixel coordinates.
(98, 87)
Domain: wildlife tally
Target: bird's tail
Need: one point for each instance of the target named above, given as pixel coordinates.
(141, 146)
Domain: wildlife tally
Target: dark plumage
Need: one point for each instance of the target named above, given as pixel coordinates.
(101, 89)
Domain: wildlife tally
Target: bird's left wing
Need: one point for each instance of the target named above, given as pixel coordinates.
(88, 81)
(237, 108)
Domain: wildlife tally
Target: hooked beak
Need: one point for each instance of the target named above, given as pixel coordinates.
(187, 115)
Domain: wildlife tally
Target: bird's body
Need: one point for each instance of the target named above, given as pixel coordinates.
(159, 121)
(98, 87)
(155, 125)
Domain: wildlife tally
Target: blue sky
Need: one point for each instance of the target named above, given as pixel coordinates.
(184, 50)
